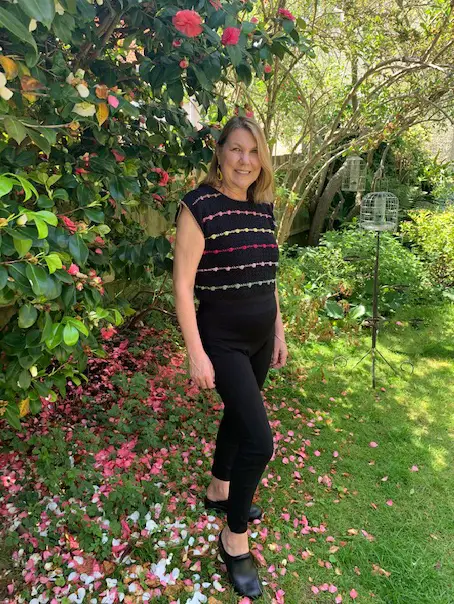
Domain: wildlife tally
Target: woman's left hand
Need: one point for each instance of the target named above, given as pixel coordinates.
(280, 353)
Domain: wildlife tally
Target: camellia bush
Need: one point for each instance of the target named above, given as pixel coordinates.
(94, 130)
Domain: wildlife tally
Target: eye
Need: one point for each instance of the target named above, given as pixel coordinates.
(254, 151)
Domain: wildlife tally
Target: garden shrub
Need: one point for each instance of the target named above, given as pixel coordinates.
(431, 236)
(335, 279)
(94, 131)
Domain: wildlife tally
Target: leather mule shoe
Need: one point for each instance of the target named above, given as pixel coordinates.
(255, 512)
(242, 572)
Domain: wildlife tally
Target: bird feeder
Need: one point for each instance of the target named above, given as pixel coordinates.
(354, 178)
(379, 211)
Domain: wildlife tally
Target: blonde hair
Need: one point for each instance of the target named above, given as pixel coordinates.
(262, 189)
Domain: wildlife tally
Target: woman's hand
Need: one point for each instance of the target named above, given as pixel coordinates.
(201, 370)
(280, 353)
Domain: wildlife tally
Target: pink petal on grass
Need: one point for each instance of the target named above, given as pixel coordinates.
(335, 453)
(414, 469)
(353, 594)
(332, 589)
(314, 589)
(338, 599)
(389, 502)
(317, 453)
(373, 444)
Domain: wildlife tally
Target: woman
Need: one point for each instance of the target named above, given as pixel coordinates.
(227, 254)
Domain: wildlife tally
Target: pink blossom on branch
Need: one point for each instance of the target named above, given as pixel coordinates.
(108, 332)
(286, 14)
(69, 224)
(164, 176)
(188, 22)
(230, 36)
(73, 269)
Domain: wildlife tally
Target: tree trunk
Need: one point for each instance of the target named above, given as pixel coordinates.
(323, 206)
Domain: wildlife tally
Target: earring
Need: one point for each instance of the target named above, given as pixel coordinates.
(219, 173)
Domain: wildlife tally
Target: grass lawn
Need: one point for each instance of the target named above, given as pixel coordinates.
(358, 497)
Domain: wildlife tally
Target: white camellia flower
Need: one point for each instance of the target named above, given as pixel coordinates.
(32, 25)
(6, 93)
(82, 90)
(70, 78)
(2, 79)
(84, 109)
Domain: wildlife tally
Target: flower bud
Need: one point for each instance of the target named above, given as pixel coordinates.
(33, 370)
(21, 220)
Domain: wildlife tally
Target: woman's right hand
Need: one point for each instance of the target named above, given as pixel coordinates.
(201, 370)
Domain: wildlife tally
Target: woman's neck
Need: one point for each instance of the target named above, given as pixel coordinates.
(237, 194)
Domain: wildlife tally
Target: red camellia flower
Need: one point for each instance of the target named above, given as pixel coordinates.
(108, 332)
(99, 240)
(69, 224)
(254, 20)
(188, 22)
(230, 36)
(176, 43)
(267, 68)
(73, 269)
(184, 64)
(118, 156)
(164, 177)
(286, 14)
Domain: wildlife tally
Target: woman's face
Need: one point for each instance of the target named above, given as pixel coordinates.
(239, 160)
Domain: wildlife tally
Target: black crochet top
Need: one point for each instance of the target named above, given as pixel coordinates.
(241, 253)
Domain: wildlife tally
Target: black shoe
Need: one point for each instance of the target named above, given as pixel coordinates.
(255, 512)
(242, 572)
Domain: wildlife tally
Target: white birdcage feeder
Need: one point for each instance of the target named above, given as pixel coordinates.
(379, 211)
(354, 178)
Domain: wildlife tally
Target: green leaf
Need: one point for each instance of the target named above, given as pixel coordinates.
(94, 215)
(27, 316)
(24, 380)
(334, 310)
(53, 262)
(55, 337)
(235, 55)
(39, 140)
(78, 249)
(6, 184)
(3, 277)
(77, 324)
(43, 231)
(47, 329)
(27, 186)
(48, 217)
(14, 128)
(41, 10)
(61, 194)
(176, 92)
(244, 73)
(357, 311)
(12, 415)
(12, 24)
(39, 279)
(70, 335)
(22, 246)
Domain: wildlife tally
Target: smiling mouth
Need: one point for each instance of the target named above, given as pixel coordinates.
(244, 172)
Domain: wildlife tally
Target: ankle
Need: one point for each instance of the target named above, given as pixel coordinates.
(235, 543)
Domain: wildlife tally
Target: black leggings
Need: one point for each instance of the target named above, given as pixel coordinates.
(238, 337)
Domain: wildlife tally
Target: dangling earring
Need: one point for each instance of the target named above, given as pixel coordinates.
(219, 174)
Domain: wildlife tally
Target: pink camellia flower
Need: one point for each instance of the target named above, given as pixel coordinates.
(99, 240)
(118, 156)
(286, 14)
(113, 101)
(176, 43)
(353, 594)
(184, 64)
(69, 224)
(108, 332)
(254, 20)
(81, 171)
(98, 250)
(188, 22)
(73, 269)
(230, 36)
(250, 114)
(267, 68)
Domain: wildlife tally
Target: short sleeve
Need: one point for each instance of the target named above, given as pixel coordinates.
(191, 202)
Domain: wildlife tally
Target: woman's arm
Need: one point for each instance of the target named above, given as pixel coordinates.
(189, 246)
(280, 352)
